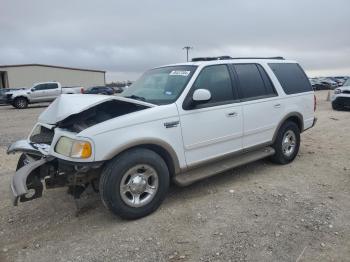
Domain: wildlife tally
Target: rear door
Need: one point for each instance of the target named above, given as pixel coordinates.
(52, 91)
(261, 105)
(214, 128)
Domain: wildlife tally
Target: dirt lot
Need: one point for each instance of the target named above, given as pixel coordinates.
(259, 212)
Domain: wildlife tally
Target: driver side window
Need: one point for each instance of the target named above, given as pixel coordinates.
(217, 80)
(40, 87)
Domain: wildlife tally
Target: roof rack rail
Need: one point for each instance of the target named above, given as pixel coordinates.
(197, 59)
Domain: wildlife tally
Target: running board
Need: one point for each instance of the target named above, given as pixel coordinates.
(217, 167)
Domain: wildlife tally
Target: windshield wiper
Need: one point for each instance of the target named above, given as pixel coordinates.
(136, 97)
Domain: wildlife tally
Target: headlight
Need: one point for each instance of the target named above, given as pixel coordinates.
(337, 91)
(73, 148)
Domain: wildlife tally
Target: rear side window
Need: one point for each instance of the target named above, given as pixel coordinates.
(291, 77)
(51, 86)
(217, 80)
(253, 82)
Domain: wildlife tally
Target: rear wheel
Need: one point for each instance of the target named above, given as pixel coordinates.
(287, 143)
(20, 103)
(135, 183)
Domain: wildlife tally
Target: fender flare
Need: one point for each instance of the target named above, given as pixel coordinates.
(285, 118)
(144, 142)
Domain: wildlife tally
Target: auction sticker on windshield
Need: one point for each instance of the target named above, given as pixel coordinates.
(179, 73)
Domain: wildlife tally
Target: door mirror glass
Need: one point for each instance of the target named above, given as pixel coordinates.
(201, 95)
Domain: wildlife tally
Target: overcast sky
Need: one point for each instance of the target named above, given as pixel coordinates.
(127, 37)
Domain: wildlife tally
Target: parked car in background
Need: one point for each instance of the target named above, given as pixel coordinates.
(183, 122)
(341, 97)
(317, 84)
(3, 92)
(102, 90)
(39, 92)
(117, 89)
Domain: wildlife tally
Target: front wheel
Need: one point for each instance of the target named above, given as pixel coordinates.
(20, 103)
(287, 143)
(135, 183)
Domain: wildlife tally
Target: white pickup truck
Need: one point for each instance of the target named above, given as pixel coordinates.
(39, 92)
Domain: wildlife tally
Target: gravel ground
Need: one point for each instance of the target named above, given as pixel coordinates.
(259, 212)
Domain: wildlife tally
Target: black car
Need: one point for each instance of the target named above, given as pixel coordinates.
(103, 90)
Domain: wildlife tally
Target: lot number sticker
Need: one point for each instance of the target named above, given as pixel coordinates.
(179, 73)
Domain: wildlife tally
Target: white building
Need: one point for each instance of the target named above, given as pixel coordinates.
(12, 76)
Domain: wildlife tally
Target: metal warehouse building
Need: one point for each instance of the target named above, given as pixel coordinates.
(12, 76)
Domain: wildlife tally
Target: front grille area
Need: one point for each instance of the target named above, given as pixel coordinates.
(42, 135)
(346, 92)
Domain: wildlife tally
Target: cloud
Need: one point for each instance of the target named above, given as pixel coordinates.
(128, 37)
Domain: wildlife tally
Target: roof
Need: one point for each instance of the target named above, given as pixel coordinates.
(53, 66)
(240, 60)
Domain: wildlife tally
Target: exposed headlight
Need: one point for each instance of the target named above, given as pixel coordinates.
(73, 148)
(337, 91)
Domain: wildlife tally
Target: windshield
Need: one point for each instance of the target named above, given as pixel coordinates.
(347, 82)
(161, 85)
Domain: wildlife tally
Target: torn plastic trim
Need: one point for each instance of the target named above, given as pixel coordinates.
(27, 147)
(19, 180)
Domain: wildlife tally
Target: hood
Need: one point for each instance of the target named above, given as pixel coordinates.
(70, 105)
(343, 88)
(18, 90)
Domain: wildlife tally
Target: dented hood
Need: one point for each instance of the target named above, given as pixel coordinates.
(69, 104)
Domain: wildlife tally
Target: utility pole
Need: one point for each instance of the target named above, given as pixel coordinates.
(187, 48)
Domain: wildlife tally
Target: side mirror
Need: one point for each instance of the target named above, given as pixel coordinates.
(201, 95)
(32, 89)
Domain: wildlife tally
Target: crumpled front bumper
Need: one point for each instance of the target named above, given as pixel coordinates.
(27, 147)
(19, 180)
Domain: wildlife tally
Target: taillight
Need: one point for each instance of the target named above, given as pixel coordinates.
(315, 103)
(82, 90)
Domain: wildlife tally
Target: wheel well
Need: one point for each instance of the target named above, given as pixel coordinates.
(160, 151)
(297, 121)
(17, 97)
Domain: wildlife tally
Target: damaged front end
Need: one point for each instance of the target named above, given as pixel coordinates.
(36, 169)
(53, 155)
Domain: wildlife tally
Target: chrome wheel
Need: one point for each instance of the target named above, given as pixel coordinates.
(139, 185)
(289, 143)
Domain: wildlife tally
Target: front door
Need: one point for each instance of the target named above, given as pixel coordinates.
(38, 93)
(214, 128)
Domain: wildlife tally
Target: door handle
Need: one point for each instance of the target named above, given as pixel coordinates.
(277, 106)
(232, 114)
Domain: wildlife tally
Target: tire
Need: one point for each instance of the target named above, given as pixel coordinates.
(124, 181)
(287, 143)
(20, 103)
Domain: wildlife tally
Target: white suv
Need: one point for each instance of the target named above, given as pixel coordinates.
(341, 97)
(183, 122)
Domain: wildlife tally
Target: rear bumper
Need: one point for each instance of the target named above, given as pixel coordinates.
(313, 124)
